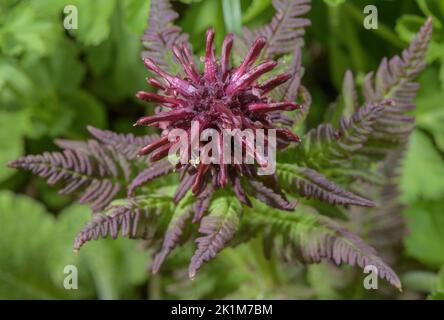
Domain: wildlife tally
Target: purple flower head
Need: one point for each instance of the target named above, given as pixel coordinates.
(221, 97)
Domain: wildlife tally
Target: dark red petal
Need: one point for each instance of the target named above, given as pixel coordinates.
(156, 83)
(154, 145)
(274, 82)
(251, 57)
(202, 168)
(182, 86)
(153, 97)
(178, 53)
(189, 58)
(287, 135)
(161, 152)
(222, 177)
(270, 107)
(226, 53)
(248, 78)
(210, 60)
(164, 116)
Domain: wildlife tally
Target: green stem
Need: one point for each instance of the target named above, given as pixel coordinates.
(155, 287)
(267, 267)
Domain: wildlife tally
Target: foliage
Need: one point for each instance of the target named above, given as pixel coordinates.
(337, 196)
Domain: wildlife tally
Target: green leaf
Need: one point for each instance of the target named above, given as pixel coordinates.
(232, 15)
(25, 246)
(24, 31)
(41, 88)
(115, 266)
(190, 1)
(199, 17)
(65, 69)
(35, 248)
(434, 8)
(87, 111)
(94, 20)
(116, 60)
(334, 3)
(408, 25)
(218, 228)
(255, 9)
(136, 13)
(429, 111)
(12, 127)
(425, 220)
(422, 170)
(420, 281)
(438, 293)
(323, 278)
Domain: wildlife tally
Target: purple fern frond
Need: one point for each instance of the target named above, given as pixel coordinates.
(218, 228)
(124, 220)
(96, 170)
(313, 185)
(286, 30)
(271, 196)
(307, 236)
(202, 203)
(184, 186)
(289, 90)
(347, 103)
(137, 218)
(325, 145)
(171, 239)
(383, 226)
(394, 77)
(125, 144)
(154, 171)
(395, 80)
(161, 34)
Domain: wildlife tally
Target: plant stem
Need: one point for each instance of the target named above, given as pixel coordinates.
(155, 287)
(267, 266)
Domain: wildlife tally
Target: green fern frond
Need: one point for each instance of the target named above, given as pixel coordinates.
(305, 235)
(218, 228)
(142, 217)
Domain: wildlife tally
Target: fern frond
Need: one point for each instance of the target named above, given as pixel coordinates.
(161, 35)
(271, 196)
(289, 90)
(185, 185)
(284, 33)
(202, 203)
(383, 225)
(304, 234)
(155, 170)
(313, 185)
(94, 168)
(125, 144)
(394, 77)
(137, 218)
(181, 216)
(171, 240)
(347, 103)
(326, 146)
(218, 228)
(78, 145)
(305, 100)
(395, 80)
(292, 90)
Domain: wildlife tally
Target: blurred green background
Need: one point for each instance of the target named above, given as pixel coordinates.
(54, 82)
